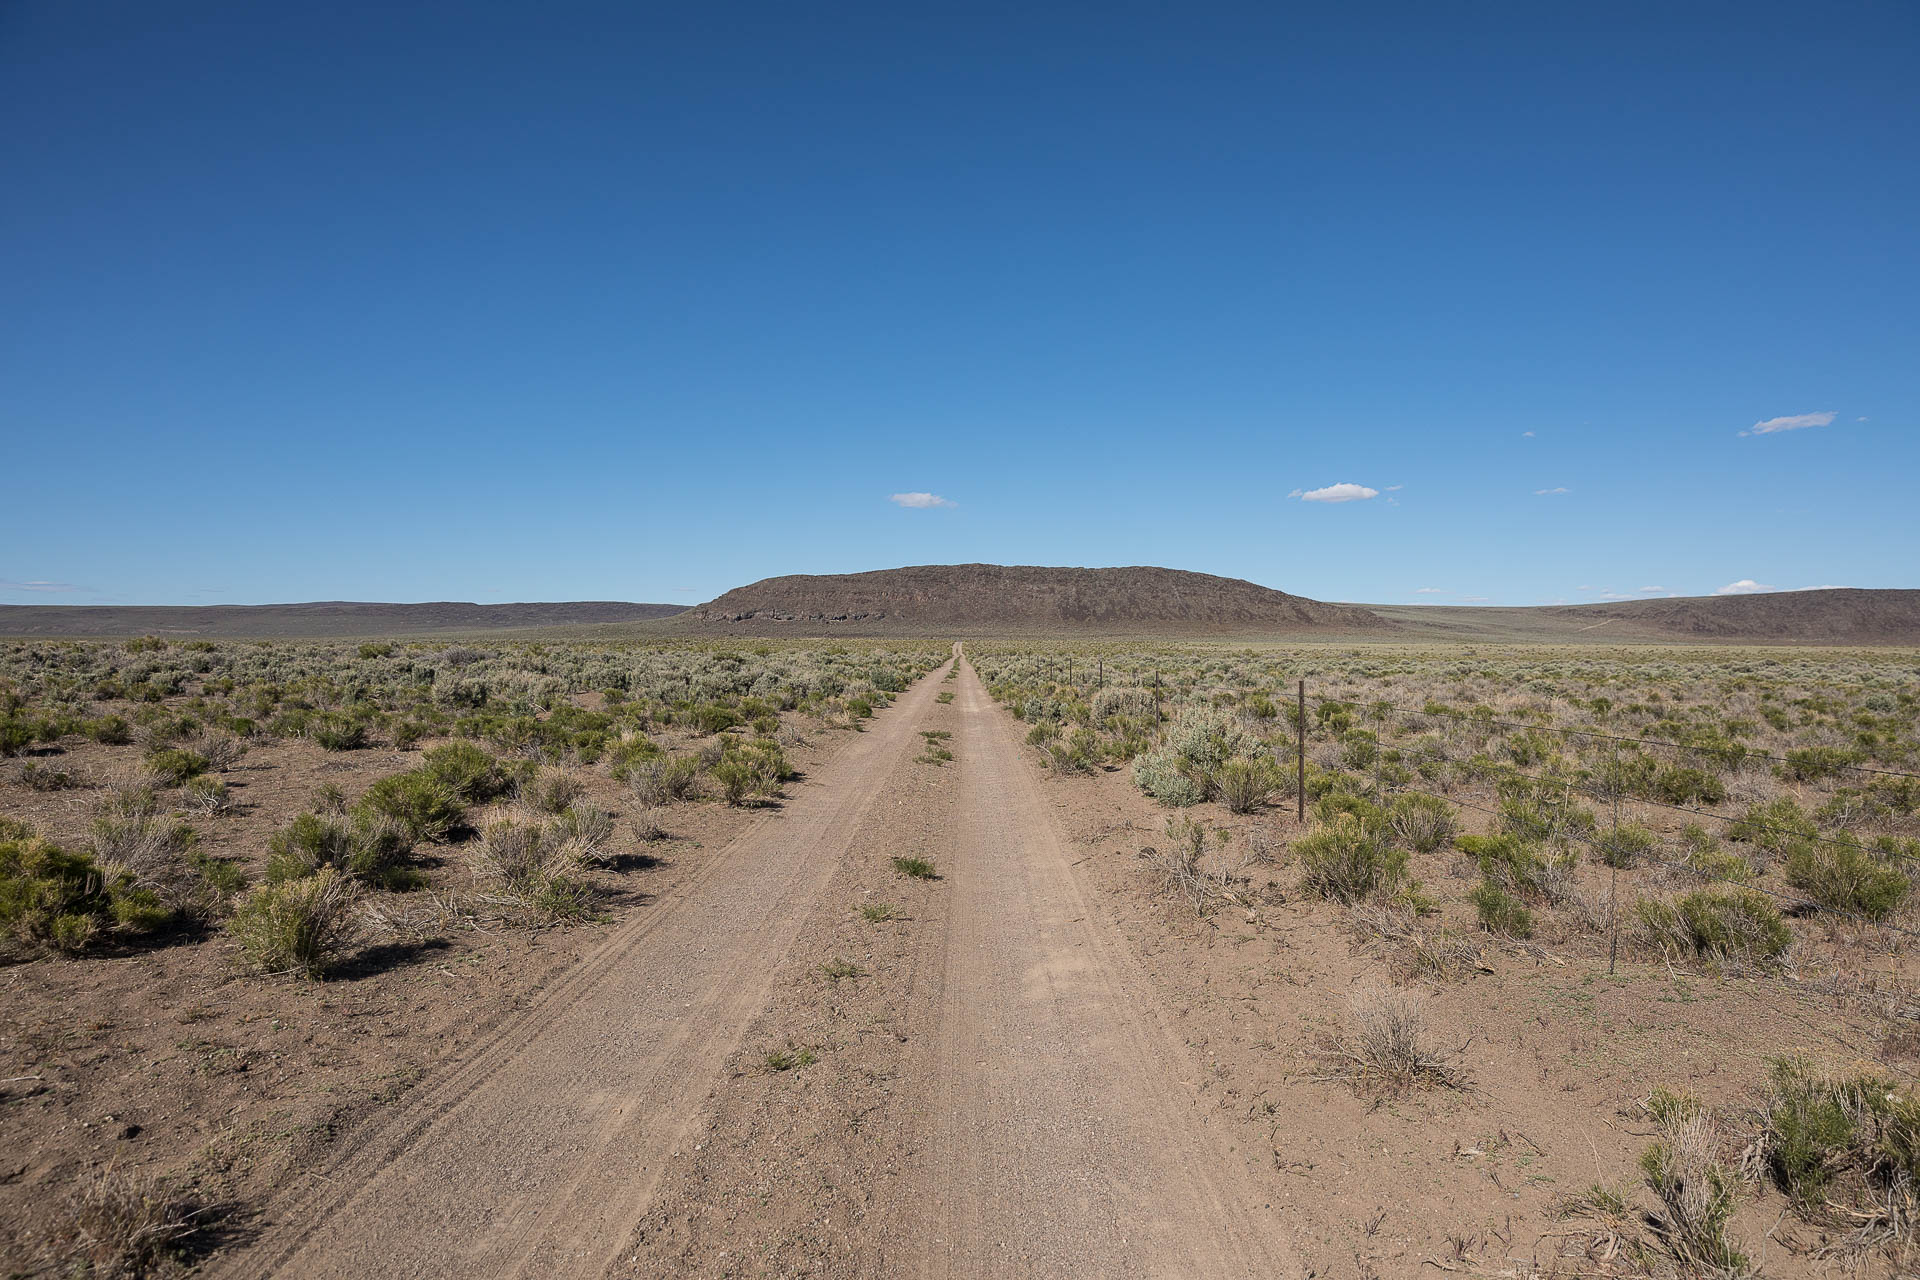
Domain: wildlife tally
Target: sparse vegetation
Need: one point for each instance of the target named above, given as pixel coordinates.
(1387, 1047)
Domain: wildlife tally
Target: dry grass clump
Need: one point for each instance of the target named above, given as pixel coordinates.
(1697, 1193)
(664, 779)
(1387, 1048)
(587, 830)
(536, 868)
(1413, 947)
(1185, 871)
(118, 1227)
(135, 836)
(1696, 1189)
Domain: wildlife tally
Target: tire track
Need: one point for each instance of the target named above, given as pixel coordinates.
(1056, 1139)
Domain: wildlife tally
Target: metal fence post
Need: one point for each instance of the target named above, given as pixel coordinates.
(1613, 857)
(1300, 756)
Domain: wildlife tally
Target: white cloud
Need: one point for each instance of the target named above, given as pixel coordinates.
(1859, 419)
(37, 585)
(1792, 422)
(1651, 591)
(920, 501)
(1526, 435)
(1431, 591)
(1475, 599)
(1583, 588)
(1829, 586)
(1542, 493)
(1394, 488)
(1744, 587)
(1336, 493)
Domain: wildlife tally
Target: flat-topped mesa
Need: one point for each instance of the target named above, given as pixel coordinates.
(992, 597)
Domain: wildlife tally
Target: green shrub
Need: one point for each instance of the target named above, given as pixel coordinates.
(299, 926)
(1509, 863)
(1851, 1143)
(1349, 859)
(1185, 769)
(1158, 773)
(1706, 855)
(1500, 912)
(1844, 878)
(713, 717)
(736, 780)
(111, 730)
(334, 732)
(172, 766)
(367, 847)
(1773, 826)
(916, 868)
(1422, 822)
(629, 752)
(1245, 783)
(1735, 922)
(1626, 845)
(16, 735)
(54, 899)
(1542, 812)
(1810, 764)
(1676, 784)
(466, 770)
(425, 807)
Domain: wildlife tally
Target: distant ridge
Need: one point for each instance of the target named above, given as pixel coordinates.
(320, 619)
(1830, 616)
(1013, 600)
(990, 598)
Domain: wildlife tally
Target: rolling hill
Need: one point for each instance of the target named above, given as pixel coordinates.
(991, 598)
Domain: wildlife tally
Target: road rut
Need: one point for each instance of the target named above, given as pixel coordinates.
(1056, 1137)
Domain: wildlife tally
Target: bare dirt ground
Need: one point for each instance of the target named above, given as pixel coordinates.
(797, 1060)
(997, 1092)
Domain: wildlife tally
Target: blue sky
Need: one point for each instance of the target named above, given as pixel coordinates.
(564, 301)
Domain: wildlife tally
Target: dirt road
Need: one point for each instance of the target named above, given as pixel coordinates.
(1041, 1126)
(1059, 1139)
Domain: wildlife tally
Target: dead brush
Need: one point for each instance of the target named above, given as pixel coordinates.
(116, 1227)
(1186, 872)
(1697, 1190)
(1411, 947)
(1609, 1239)
(221, 751)
(1386, 1047)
